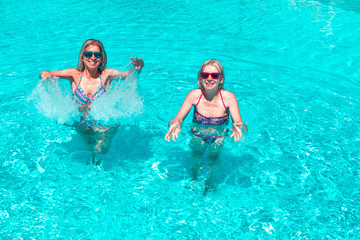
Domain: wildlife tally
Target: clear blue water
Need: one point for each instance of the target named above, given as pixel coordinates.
(294, 66)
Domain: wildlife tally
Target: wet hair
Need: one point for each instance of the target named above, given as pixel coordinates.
(89, 43)
(219, 67)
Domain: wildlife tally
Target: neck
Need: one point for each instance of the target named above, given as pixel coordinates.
(91, 73)
(210, 94)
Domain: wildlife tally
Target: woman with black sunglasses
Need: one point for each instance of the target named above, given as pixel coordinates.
(212, 107)
(88, 81)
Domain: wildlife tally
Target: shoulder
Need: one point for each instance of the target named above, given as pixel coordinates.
(193, 95)
(228, 97)
(76, 73)
(196, 92)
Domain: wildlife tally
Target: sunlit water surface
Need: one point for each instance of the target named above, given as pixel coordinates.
(293, 65)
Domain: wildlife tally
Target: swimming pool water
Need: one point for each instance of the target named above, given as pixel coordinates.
(294, 68)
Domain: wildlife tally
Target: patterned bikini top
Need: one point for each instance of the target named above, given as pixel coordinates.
(202, 120)
(80, 96)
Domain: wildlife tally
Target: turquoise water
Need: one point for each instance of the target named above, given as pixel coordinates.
(294, 67)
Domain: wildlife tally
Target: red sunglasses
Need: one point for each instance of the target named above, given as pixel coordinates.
(205, 75)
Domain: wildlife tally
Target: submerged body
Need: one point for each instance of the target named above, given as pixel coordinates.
(212, 108)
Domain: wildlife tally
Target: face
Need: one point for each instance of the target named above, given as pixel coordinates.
(210, 82)
(92, 62)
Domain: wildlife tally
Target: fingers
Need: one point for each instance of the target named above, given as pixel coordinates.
(173, 133)
(167, 137)
(237, 134)
(236, 137)
(134, 60)
(170, 136)
(44, 75)
(137, 62)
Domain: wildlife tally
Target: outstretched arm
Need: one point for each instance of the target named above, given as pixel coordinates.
(66, 73)
(175, 123)
(138, 65)
(236, 117)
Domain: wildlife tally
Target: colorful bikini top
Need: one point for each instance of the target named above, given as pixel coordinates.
(202, 120)
(80, 96)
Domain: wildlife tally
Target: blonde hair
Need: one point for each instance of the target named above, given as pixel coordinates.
(90, 43)
(219, 67)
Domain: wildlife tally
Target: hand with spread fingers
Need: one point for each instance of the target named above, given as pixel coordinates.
(236, 131)
(174, 130)
(137, 62)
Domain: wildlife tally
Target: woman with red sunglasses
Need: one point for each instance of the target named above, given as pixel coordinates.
(88, 81)
(212, 107)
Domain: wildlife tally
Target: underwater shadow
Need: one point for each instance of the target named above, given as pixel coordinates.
(235, 169)
(229, 169)
(129, 144)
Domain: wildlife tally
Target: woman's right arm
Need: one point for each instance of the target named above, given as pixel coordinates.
(175, 123)
(66, 73)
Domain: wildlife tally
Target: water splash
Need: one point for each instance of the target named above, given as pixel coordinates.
(121, 103)
(54, 101)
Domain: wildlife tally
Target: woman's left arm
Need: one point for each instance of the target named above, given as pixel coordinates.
(117, 74)
(236, 117)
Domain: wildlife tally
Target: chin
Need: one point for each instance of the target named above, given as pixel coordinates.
(210, 87)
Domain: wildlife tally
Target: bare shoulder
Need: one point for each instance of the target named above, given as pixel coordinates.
(76, 71)
(228, 96)
(195, 92)
(194, 95)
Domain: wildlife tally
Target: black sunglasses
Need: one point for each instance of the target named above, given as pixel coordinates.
(89, 54)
